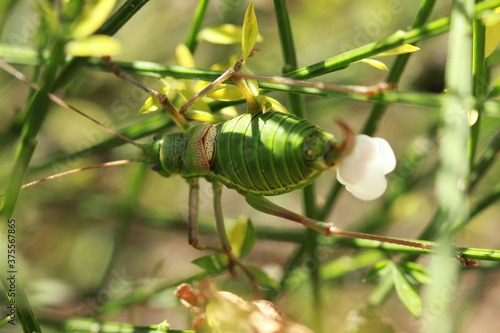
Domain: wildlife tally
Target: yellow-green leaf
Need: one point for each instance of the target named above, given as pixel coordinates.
(375, 63)
(226, 94)
(221, 34)
(183, 56)
(270, 103)
(94, 46)
(152, 104)
(237, 235)
(250, 31)
(94, 15)
(205, 116)
(492, 38)
(402, 49)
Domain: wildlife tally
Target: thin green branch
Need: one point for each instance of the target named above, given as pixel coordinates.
(453, 171)
(192, 37)
(296, 104)
(480, 83)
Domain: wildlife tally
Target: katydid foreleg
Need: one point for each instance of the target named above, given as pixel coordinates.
(226, 245)
(221, 229)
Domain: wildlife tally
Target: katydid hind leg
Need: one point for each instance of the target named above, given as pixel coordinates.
(262, 204)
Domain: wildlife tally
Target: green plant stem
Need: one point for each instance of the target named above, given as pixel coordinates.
(192, 37)
(297, 106)
(36, 112)
(286, 37)
(480, 83)
(93, 325)
(452, 198)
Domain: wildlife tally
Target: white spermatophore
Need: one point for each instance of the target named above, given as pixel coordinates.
(363, 170)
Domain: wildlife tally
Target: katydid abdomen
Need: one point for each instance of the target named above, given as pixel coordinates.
(264, 154)
(270, 154)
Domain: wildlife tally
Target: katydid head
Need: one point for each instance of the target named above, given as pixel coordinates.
(337, 151)
(325, 151)
(188, 154)
(153, 155)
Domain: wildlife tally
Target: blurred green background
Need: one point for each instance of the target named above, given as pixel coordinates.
(66, 226)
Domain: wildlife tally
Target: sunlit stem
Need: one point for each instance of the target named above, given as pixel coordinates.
(383, 239)
(360, 90)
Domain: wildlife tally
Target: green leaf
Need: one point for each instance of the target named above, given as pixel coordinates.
(92, 19)
(237, 235)
(382, 289)
(242, 237)
(94, 46)
(406, 292)
(416, 271)
(263, 279)
(221, 34)
(250, 31)
(211, 264)
(249, 240)
(378, 271)
(164, 326)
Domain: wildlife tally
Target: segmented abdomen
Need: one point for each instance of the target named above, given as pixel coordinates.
(264, 153)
